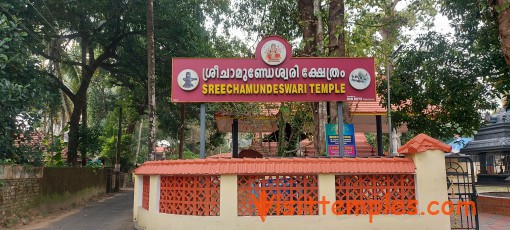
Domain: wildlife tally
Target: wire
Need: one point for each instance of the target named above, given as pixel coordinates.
(49, 11)
(44, 18)
(22, 25)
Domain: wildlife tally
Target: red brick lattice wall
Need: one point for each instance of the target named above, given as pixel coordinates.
(190, 195)
(355, 192)
(281, 195)
(145, 193)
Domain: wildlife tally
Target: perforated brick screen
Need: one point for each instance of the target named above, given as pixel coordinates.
(190, 195)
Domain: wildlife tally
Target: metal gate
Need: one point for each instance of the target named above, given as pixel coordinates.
(461, 192)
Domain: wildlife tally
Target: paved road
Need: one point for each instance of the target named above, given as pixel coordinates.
(112, 213)
(493, 222)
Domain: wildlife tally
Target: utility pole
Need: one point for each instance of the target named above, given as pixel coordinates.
(390, 129)
(119, 147)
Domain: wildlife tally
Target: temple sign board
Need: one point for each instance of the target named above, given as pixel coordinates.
(272, 76)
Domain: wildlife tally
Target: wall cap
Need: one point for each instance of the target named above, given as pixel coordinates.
(294, 166)
(422, 143)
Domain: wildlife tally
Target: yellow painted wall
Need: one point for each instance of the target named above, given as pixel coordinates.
(153, 221)
(430, 186)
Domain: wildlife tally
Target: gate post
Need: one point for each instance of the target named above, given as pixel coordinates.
(431, 189)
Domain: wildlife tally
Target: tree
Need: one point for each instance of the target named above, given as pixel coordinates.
(482, 29)
(459, 75)
(24, 88)
(98, 27)
(501, 11)
(451, 92)
(151, 80)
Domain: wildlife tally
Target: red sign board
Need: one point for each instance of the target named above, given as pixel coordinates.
(272, 76)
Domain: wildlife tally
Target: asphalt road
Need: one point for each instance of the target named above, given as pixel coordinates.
(112, 213)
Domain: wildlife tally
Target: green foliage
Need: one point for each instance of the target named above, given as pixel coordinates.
(372, 140)
(476, 31)
(458, 77)
(109, 152)
(215, 139)
(90, 142)
(186, 154)
(437, 88)
(54, 147)
(261, 18)
(24, 89)
(375, 27)
(29, 155)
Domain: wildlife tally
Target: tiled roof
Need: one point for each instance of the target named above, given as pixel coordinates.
(35, 139)
(221, 155)
(367, 107)
(422, 143)
(374, 107)
(160, 149)
(251, 166)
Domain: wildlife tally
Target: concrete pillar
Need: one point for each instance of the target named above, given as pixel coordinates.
(138, 193)
(228, 196)
(154, 193)
(430, 180)
(328, 191)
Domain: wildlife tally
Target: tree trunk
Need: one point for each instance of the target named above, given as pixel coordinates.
(319, 37)
(151, 143)
(317, 11)
(66, 108)
(282, 129)
(74, 121)
(181, 129)
(317, 141)
(83, 98)
(79, 102)
(74, 125)
(63, 120)
(119, 138)
(139, 142)
(51, 138)
(308, 23)
(504, 31)
(84, 126)
(130, 128)
(336, 42)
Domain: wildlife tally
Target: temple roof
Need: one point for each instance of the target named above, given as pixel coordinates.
(492, 138)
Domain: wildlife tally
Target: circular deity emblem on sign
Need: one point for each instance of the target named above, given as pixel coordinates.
(188, 79)
(273, 52)
(359, 79)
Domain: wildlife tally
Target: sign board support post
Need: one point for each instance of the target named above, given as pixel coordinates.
(202, 131)
(341, 129)
(235, 138)
(378, 123)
